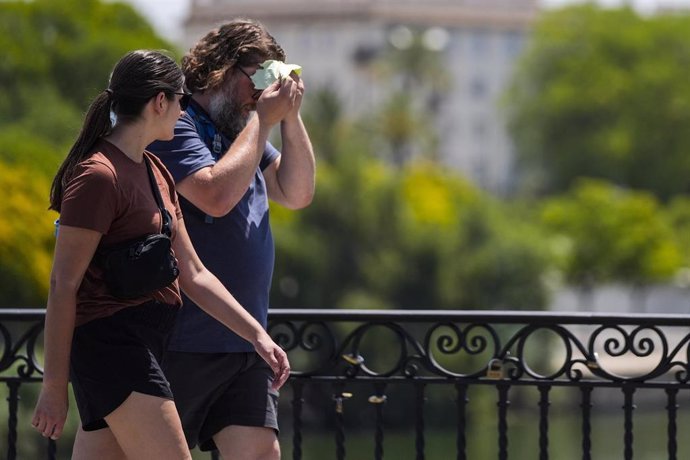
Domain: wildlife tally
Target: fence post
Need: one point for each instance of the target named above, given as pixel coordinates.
(339, 397)
(378, 400)
(586, 406)
(13, 400)
(503, 404)
(628, 408)
(672, 408)
(419, 425)
(462, 401)
(297, 402)
(544, 404)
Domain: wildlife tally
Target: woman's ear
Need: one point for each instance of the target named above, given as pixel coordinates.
(160, 102)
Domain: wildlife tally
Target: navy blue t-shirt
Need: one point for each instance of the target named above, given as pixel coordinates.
(237, 248)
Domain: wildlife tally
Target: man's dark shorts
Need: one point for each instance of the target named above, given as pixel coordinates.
(215, 390)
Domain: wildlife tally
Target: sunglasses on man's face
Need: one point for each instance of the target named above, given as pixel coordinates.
(184, 100)
(257, 92)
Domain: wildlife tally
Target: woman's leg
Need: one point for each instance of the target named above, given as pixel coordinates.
(148, 428)
(100, 444)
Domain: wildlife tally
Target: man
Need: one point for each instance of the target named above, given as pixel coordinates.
(225, 170)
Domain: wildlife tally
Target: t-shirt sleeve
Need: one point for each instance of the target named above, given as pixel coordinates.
(269, 156)
(186, 153)
(90, 199)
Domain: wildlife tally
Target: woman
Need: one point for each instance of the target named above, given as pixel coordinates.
(107, 345)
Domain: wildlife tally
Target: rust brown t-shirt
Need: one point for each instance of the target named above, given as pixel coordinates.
(111, 194)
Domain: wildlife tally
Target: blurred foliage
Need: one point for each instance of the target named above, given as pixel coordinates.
(604, 93)
(415, 79)
(409, 236)
(56, 57)
(66, 47)
(26, 238)
(677, 214)
(390, 227)
(600, 93)
(604, 233)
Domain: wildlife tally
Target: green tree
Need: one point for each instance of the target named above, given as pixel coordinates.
(604, 93)
(26, 238)
(412, 71)
(410, 236)
(603, 233)
(56, 57)
(68, 46)
(677, 213)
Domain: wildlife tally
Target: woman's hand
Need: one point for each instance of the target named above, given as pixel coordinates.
(51, 411)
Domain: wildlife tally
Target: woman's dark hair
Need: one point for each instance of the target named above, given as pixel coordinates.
(239, 42)
(136, 78)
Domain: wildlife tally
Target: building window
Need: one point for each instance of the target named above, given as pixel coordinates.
(479, 129)
(513, 42)
(479, 42)
(363, 55)
(479, 88)
(455, 44)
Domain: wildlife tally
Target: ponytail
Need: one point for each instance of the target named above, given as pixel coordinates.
(96, 125)
(136, 78)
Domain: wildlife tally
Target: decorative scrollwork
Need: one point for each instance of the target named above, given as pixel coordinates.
(401, 345)
(314, 339)
(534, 346)
(19, 357)
(460, 343)
(545, 350)
(623, 352)
(284, 334)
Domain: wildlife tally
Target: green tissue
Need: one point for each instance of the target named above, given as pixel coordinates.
(270, 71)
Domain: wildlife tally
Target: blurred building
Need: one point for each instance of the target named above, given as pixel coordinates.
(335, 41)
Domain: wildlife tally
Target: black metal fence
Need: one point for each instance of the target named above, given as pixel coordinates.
(399, 360)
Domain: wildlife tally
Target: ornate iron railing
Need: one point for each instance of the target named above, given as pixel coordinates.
(341, 350)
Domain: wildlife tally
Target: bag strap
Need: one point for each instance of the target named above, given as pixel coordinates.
(167, 219)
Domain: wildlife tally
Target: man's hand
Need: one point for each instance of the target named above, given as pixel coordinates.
(293, 113)
(279, 99)
(275, 357)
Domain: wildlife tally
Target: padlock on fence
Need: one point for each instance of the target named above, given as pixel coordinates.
(494, 370)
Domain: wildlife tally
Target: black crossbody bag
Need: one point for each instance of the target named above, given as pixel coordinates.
(146, 264)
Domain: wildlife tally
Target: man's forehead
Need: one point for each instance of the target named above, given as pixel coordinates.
(251, 60)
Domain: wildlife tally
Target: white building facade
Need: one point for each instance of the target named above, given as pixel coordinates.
(481, 40)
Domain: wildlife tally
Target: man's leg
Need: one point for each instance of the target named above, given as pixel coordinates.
(197, 381)
(243, 421)
(247, 443)
(226, 402)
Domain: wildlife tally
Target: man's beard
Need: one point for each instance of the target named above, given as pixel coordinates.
(226, 113)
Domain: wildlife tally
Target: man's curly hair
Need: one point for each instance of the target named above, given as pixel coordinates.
(241, 42)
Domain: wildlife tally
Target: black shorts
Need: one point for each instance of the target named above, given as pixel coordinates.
(112, 357)
(215, 390)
